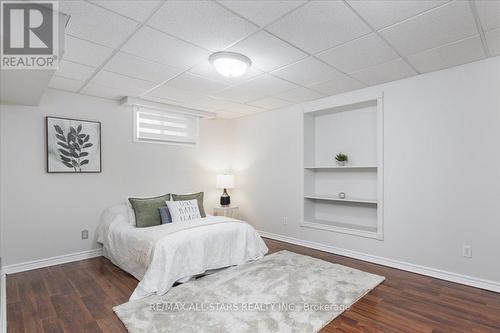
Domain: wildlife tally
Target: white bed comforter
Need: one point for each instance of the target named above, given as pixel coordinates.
(161, 255)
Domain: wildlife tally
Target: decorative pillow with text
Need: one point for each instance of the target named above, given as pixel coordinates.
(185, 210)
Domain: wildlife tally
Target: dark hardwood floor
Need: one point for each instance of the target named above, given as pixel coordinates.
(79, 296)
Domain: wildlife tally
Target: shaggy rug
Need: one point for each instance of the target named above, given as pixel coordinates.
(283, 292)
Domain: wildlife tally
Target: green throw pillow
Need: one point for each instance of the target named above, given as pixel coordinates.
(194, 196)
(146, 210)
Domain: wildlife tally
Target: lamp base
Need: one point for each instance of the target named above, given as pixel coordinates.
(225, 199)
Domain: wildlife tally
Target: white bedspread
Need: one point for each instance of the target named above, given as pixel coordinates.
(161, 255)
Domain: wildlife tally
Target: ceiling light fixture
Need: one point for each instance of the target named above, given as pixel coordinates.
(230, 64)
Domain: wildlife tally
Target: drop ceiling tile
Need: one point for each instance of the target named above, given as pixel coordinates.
(439, 26)
(260, 87)
(157, 46)
(244, 109)
(206, 69)
(380, 14)
(210, 103)
(360, 53)
(454, 54)
(160, 100)
(74, 71)
(97, 90)
(195, 83)
(319, 25)
(204, 23)
(173, 94)
(270, 103)
(84, 52)
(489, 14)
(228, 115)
(262, 12)
(268, 52)
(62, 83)
(191, 105)
(341, 83)
(96, 24)
(389, 71)
(299, 95)
(493, 40)
(306, 72)
(122, 83)
(137, 67)
(137, 10)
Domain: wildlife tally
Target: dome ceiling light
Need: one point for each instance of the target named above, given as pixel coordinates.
(230, 64)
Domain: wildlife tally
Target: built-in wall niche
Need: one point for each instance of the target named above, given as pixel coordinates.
(354, 126)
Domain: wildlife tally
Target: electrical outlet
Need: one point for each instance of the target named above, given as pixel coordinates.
(85, 234)
(285, 220)
(467, 251)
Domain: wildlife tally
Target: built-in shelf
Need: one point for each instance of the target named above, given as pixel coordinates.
(352, 124)
(347, 167)
(332, 198)
(345, 228)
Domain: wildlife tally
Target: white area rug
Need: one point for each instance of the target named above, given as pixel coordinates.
(283, 292)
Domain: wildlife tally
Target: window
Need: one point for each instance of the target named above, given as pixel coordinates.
(165, 127)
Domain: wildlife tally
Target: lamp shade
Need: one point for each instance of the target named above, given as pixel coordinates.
(225, 181)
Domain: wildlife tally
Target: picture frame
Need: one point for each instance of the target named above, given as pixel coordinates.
(72, 145)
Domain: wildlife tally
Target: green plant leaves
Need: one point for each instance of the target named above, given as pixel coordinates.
(62, 144)
(72, 145)
(64, 152)
(58, 129)
(64, 158)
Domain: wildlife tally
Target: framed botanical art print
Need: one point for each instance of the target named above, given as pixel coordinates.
(73, 146)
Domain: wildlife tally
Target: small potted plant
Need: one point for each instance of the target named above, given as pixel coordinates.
(341, 159)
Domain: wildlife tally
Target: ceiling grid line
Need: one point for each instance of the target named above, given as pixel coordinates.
(260, 28)
(231, 45)
(264, 28)
(117, 49)
(479, 26)
(405, 59)
(283, 66)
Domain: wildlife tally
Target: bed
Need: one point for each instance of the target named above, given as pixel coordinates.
(161, 255)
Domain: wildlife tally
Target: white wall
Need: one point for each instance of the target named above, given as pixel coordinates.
(442, 171)
(42, 214)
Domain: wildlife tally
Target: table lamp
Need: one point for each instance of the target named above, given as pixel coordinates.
(225, 182)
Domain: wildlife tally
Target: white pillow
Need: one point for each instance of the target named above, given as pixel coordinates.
(185, 210)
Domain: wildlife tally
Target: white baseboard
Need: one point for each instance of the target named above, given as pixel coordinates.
(428, 271)
(40, 263)
(3, 303)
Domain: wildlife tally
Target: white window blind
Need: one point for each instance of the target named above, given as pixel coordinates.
(165, 127)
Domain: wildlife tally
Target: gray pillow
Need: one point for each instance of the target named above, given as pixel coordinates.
(194, 196)
(165, 215)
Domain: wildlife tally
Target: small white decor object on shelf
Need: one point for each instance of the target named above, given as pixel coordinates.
(227, 211)
(341, 195)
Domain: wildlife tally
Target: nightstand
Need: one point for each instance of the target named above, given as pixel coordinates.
(231, 211)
